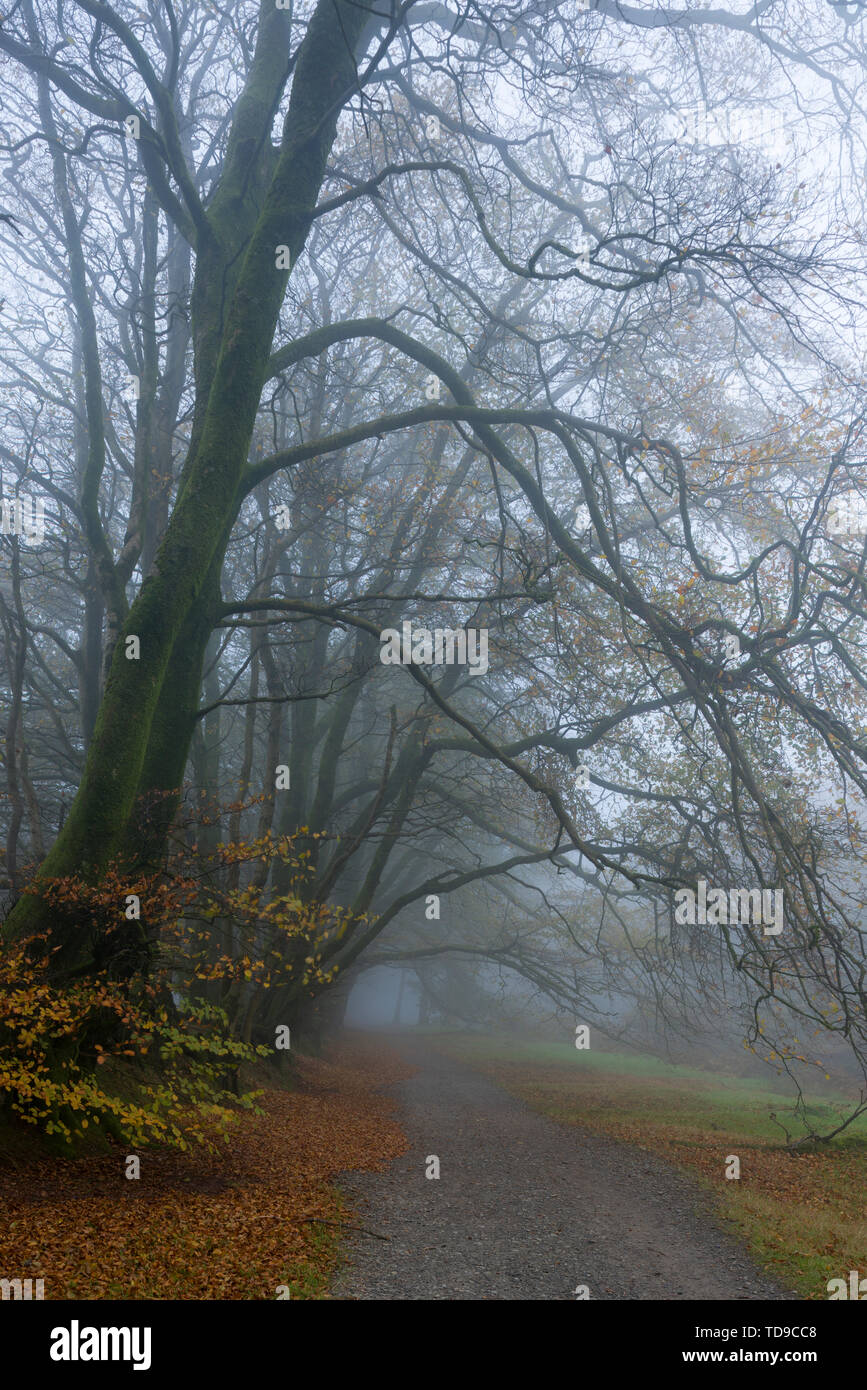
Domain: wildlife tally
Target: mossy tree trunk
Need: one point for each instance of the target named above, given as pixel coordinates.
(143, 729)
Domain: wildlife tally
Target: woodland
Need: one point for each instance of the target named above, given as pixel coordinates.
(538, 320)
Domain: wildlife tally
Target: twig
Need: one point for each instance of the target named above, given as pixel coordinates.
(323, 1222)
(814, 1138)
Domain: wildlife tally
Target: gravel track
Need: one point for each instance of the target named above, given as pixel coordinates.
(528, 1208)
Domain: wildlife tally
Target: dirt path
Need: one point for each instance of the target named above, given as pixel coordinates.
(526, 1208)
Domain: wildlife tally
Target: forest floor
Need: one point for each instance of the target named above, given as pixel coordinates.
(557, 1169)
(526, 1206)
(260, 1215)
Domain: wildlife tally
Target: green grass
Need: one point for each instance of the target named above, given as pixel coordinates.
(709, 1098)
(312, 1279)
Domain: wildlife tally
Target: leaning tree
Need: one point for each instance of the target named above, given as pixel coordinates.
(461, 295)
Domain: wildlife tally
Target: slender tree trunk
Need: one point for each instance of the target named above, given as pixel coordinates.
(90, 656)
(398, 1007)
(15, 639)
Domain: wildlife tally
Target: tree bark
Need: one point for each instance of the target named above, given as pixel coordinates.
(142, 734)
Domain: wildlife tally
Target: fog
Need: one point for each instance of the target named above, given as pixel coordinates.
(436, 599)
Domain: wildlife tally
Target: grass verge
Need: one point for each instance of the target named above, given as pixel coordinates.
(803, 1215)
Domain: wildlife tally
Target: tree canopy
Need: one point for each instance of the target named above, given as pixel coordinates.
(326, 321)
